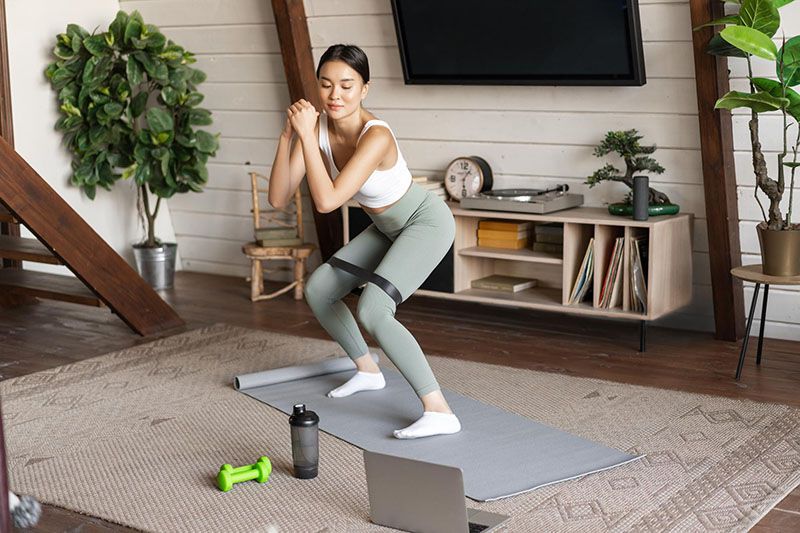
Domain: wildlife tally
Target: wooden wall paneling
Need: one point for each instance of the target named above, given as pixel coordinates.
(298, 64)
(716, 141)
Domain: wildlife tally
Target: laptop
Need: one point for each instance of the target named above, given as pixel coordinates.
(422, 497)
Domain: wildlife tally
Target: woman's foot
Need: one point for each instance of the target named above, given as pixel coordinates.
(368, 377)
(431, 423)
(360, 382)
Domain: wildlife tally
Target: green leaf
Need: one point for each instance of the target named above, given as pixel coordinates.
(113, 109)
(200, 117)
(781, 3)
(759, 102)
(75, 30)
(730, 19)
(789, 55)
(169, 95)
(775, 88)
(761, 15)
(138, 103)
(718, 46)
(197, 76)
(132, 29)
(134, 71)
(117, 28)
(156, 41)
(96, 44)
(90, 191)
(193, 99)
(751, 41)
(791, 164)
(159, 120)
(206, 142)
(142, 174)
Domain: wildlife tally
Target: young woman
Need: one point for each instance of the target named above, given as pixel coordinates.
(349, 153)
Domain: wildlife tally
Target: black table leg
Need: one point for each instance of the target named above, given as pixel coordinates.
(642, 331)
(763, 319)
(747, 332)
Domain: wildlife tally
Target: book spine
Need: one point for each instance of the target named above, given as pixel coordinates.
(502, 235)
(506, 245)
(504, 225)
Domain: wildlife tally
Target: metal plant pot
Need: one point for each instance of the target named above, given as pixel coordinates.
(156, 265)
(780, 251)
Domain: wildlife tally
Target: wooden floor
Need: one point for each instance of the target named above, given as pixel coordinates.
(50, 334)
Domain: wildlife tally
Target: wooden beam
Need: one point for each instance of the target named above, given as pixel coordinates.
(719, 178)
(298, 64)
(7, 133)
(33, 202)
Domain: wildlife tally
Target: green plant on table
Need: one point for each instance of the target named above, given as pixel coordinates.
(749, 34)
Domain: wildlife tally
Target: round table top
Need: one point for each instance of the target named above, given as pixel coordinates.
(754, 273)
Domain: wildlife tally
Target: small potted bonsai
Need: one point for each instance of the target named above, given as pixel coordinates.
(749, 34)
(637, 159)
(128, 101)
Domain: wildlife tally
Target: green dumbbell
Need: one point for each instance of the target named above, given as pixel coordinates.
(228, 475)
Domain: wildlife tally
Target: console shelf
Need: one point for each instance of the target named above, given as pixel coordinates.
(669, 262)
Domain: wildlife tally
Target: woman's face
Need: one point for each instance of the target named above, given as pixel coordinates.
(341, 88)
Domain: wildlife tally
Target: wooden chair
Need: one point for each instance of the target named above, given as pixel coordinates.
(257, 253)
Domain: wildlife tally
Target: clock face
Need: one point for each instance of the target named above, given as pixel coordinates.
(463, 178)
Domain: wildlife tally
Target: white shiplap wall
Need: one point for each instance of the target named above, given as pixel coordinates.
(236, 45)
(538, 135)
(530, 135)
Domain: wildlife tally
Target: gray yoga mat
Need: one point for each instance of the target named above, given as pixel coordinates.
(501, 453)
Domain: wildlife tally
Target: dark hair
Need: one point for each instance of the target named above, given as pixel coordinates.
(350, 54)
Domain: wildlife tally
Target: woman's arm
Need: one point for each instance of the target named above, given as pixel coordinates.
(330, 195)
(370, 151)
(288, 169)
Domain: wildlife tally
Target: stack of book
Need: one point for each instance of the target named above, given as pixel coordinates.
(277, 237)
(583, 281)
(610, 292)
(549, 238)
(502, 283)
(435, 186)
(637, 262)
(505, 234)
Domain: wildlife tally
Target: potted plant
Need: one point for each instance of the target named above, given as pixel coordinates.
(128, 101)
(748, 34)
(637, 159)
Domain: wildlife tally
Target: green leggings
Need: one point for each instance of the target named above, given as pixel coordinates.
(403, 245)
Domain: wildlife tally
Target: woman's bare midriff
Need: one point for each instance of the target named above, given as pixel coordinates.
(377, 210)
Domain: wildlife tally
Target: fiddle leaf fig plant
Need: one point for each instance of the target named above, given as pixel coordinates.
(129, 110)
(749, 33)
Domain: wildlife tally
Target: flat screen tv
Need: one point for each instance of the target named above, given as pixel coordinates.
(520, 42)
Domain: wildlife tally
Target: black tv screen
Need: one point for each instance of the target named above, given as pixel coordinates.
(520, 42)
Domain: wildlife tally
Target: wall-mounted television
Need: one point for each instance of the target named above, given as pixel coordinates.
(520, 42)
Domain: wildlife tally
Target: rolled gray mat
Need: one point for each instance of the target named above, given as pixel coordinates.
(292, 373)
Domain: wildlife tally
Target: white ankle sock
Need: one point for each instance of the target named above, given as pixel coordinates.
(361, 381)
(431, 423)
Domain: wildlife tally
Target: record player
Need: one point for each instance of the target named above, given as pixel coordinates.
(538, 201)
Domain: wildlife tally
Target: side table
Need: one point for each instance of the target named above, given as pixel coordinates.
(755, 274)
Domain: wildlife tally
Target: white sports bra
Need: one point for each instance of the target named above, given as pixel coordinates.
(383, 187)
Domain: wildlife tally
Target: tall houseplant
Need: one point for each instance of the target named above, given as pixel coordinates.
(748, 34)
(128, 111)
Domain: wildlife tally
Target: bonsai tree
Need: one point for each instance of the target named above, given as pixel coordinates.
(129, 109)
(637, 159)
(746, 34)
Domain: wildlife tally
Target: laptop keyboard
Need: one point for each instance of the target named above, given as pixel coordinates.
(476, 528)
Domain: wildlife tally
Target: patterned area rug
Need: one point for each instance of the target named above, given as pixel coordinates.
(136, 437)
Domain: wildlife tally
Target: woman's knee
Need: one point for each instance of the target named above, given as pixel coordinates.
(319, 285)
(374, 306)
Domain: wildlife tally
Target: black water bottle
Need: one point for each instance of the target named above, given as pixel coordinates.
(305, 442)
